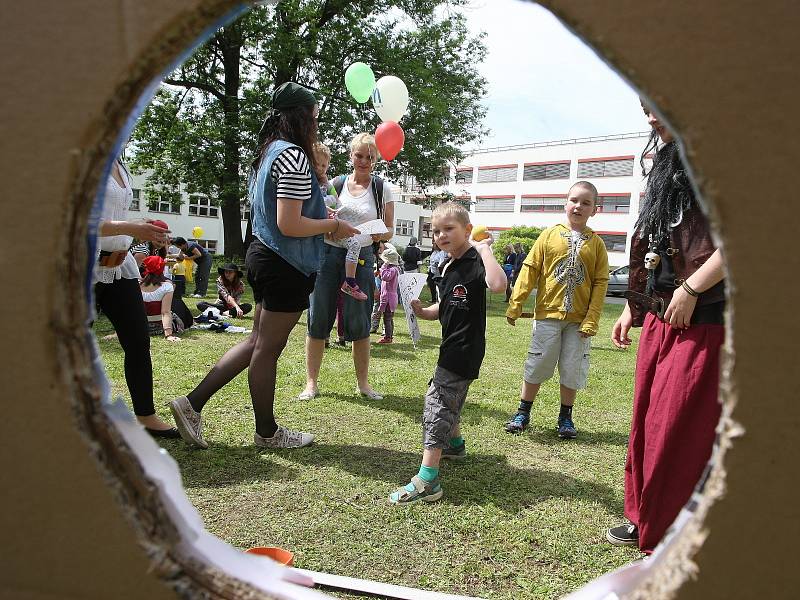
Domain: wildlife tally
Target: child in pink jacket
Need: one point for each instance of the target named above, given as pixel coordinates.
(388, 301)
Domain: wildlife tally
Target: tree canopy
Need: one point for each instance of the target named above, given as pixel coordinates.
(201, 127)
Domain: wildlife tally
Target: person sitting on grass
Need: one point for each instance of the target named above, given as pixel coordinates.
(462, 312)
(157, 293)
(230, 290)
(389, 273)
(568, 265)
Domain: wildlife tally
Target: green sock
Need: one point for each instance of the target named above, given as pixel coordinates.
(456, 442)
(428, 473)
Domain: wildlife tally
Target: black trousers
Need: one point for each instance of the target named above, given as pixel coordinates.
(122, 303)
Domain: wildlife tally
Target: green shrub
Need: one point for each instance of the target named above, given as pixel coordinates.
(519, 234)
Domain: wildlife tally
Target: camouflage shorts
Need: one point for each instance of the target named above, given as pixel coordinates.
(443, 403)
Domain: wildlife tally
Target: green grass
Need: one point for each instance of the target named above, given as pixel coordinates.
(522, 517)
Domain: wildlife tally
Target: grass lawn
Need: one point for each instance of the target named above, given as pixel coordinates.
(522, 517)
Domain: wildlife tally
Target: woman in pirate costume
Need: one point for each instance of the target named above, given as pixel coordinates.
(676, 294)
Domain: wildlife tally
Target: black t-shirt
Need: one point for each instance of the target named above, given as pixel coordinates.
(411, 257)
(190, 246)
(462, 312)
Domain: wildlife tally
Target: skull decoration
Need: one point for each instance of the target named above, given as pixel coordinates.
(651, 260)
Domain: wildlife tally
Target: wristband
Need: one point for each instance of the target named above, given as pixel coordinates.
(689, 290)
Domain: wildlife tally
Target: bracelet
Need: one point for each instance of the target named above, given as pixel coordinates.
(338, 222)
(689, 289)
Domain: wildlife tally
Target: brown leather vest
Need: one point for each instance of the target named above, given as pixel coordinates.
(692, 240)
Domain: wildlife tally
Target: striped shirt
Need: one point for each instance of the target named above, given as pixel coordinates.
(291, 172)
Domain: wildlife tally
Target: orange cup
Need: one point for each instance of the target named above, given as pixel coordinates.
(277, 554)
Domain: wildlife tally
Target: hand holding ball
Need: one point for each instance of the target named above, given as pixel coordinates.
(479, 233)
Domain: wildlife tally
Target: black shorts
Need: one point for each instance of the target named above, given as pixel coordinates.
(277, 285)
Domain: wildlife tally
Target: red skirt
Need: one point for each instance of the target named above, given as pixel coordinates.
(675, 413)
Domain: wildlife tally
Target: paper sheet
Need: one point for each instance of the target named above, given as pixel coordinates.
(409, 285)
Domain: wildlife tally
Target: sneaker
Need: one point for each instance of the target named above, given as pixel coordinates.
(284, 438)
(188, 421)
(353, 290)
(198, 295)
(623, 535)
(417, 489)
(518, 423)
(384, 340)
(457, 453)
(566, 429)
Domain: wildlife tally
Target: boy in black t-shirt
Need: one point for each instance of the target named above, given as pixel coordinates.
(462, 311)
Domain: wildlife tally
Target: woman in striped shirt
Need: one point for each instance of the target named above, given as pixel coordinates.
(289, 221)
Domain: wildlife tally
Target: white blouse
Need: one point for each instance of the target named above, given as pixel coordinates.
(359, 209)
(115, 208)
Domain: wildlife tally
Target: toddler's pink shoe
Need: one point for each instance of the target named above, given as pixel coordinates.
(384, 340)
(353, 291)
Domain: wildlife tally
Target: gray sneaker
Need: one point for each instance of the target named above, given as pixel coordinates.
(284, 438)
(457, 453)
(188, 421)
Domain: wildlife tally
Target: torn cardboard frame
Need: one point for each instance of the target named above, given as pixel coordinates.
(72, 78)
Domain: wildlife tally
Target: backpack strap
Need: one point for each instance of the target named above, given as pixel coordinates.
(338, 183)
(377, 193)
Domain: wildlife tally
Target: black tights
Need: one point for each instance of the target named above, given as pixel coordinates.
(259, 354)
(122, 303)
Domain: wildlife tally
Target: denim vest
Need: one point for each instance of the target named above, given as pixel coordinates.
(303, 253)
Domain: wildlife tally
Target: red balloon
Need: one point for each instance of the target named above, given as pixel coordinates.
(389, 137)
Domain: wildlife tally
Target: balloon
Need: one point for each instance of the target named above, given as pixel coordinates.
(360, 81)
(390, 98)
(197, 233)
(389, 137)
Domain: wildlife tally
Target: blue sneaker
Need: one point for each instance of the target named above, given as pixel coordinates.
(566, 429)
(518, 422)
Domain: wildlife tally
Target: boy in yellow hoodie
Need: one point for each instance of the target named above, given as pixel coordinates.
(568, 266)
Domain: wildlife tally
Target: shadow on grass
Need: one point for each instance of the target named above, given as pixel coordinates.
(222, 465)
(482, 479)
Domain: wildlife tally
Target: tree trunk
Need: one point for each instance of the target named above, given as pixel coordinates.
(231, 45)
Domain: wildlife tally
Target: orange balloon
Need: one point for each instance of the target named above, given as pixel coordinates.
(389, 137)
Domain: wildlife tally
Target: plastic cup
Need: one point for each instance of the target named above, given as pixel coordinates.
(277, 554)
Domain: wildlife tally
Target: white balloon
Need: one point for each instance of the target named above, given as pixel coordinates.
(390, 98)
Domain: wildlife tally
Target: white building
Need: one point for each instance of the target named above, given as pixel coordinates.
(196, 210)
(527, 184)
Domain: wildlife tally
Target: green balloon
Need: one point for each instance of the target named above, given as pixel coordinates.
(359, 81)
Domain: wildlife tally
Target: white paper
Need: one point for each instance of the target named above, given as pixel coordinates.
(372, 227)
(409, 285)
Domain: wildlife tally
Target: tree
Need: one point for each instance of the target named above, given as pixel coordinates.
(201, 127)
(519, 234)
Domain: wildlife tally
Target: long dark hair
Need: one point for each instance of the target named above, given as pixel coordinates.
(153, 279)
(296, 125)
(668, 193)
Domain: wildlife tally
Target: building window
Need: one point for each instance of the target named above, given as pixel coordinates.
(542, 204)
(615, 242)
(615, 203)
(611, 167)
(495, 174)
(404, 227)
(210, 245)
(503, 204)
(558, 170)
(425, 231)
(165, 202)
(464, 176)
(137, 196)
(245, 208)
(200, 206)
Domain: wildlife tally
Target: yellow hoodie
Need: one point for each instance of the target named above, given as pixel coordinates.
(569, 274)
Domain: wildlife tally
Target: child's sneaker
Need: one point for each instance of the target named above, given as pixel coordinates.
(188, 421)
(284, 438)
(427, 491)
(457, 453)
(518, 423)
(566, 429)
(353, 291)
(384, 340)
